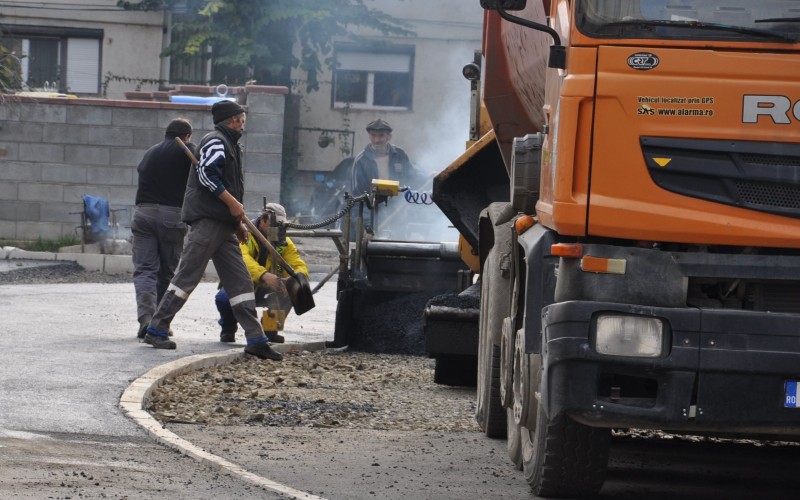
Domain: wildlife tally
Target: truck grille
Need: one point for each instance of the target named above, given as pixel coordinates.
(769, 195)
(753, 175)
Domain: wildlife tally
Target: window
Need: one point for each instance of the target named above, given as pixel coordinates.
(373, 78)
(56, 59)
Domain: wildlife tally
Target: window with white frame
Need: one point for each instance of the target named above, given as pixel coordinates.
(56, 59)
(373, 78)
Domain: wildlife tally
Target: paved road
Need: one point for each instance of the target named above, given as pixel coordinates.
(68, 353)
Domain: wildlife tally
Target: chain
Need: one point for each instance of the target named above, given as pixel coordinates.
(349, 202)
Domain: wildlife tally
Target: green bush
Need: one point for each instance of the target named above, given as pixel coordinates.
(40, 245)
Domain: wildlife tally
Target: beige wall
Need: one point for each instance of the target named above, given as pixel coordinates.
(131, 42)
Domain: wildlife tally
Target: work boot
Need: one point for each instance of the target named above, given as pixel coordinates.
(274, 337)
(227, 335)
(263, 350)
(142, 331)
(158, 340)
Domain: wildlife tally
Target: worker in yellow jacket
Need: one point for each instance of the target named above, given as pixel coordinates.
(269, 279)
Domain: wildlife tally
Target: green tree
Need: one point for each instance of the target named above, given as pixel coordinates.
(10, 76)
(264, 39)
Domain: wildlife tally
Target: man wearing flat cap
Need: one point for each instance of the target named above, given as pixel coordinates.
(213, 209)
(381, 160)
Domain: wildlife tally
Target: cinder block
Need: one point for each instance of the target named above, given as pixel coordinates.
(261, 183)
(110, 176)
(87, 155)
(22, 131)
(41, 152)
(9, 151)
(63, 134)
(9, 110)
(70, 174)
(265, 124)
(46, 113)
(264, 143)
(8, 230)
(40, 192)
(88, 115)
(60, 212)
(20, 171)
(145, 138)
(8, 190)
(118, 196)
(266, 103)
(35, 230)
(127, 157)
(262, 163)
(132, 117)
(107, 136)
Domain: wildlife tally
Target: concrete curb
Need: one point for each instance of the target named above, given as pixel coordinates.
(136, 395)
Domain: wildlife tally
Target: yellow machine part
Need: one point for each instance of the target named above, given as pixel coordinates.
(386, 187)
(467, 255)
(273, 320)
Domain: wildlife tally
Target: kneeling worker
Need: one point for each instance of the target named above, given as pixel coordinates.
(269, 279)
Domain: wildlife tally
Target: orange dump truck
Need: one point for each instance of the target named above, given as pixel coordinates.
(633, 197)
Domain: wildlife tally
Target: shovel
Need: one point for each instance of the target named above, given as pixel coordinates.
(298, 287)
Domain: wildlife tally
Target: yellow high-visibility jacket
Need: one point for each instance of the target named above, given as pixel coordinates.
(251, 252)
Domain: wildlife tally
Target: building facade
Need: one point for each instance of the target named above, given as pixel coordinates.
(415, 83)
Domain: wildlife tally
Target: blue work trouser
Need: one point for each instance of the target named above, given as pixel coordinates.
(264, 298)
(211, 240)
(158, 234)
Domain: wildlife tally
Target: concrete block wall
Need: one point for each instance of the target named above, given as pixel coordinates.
(55, 150)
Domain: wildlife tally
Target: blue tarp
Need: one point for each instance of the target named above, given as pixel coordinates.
(96, 209)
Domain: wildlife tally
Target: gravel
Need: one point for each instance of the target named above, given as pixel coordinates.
(322, 389)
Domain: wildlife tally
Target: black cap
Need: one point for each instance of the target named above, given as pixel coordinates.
(223, 110)
(379, 126)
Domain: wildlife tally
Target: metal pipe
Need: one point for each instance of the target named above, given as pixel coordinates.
(357, 265)
(443, 250)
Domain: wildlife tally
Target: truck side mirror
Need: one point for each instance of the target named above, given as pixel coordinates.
(507, 4)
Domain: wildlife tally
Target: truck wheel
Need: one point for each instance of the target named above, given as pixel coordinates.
(507, 346)
(490, 415)
(514, 439)
(562, 458)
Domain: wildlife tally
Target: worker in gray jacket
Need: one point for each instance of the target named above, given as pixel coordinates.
(213, 209)
(157, 228)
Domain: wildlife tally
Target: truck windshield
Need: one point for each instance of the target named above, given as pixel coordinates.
(732, 20)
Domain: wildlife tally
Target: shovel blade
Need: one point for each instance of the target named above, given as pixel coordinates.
(300, 293)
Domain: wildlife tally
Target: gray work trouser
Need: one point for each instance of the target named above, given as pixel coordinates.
(211, 240)
(158, 234)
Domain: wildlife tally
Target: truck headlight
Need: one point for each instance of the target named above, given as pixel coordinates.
(637, 336)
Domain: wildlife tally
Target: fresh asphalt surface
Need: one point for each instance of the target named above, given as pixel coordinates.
(69, 351)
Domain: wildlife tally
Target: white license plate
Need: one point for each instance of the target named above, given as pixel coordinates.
(791, 398)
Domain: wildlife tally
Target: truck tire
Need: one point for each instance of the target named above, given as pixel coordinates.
(563, 458)
(514, 439)
(489, 413)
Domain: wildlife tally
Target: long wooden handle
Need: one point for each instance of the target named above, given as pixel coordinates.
(247, 222)
(266, 243)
